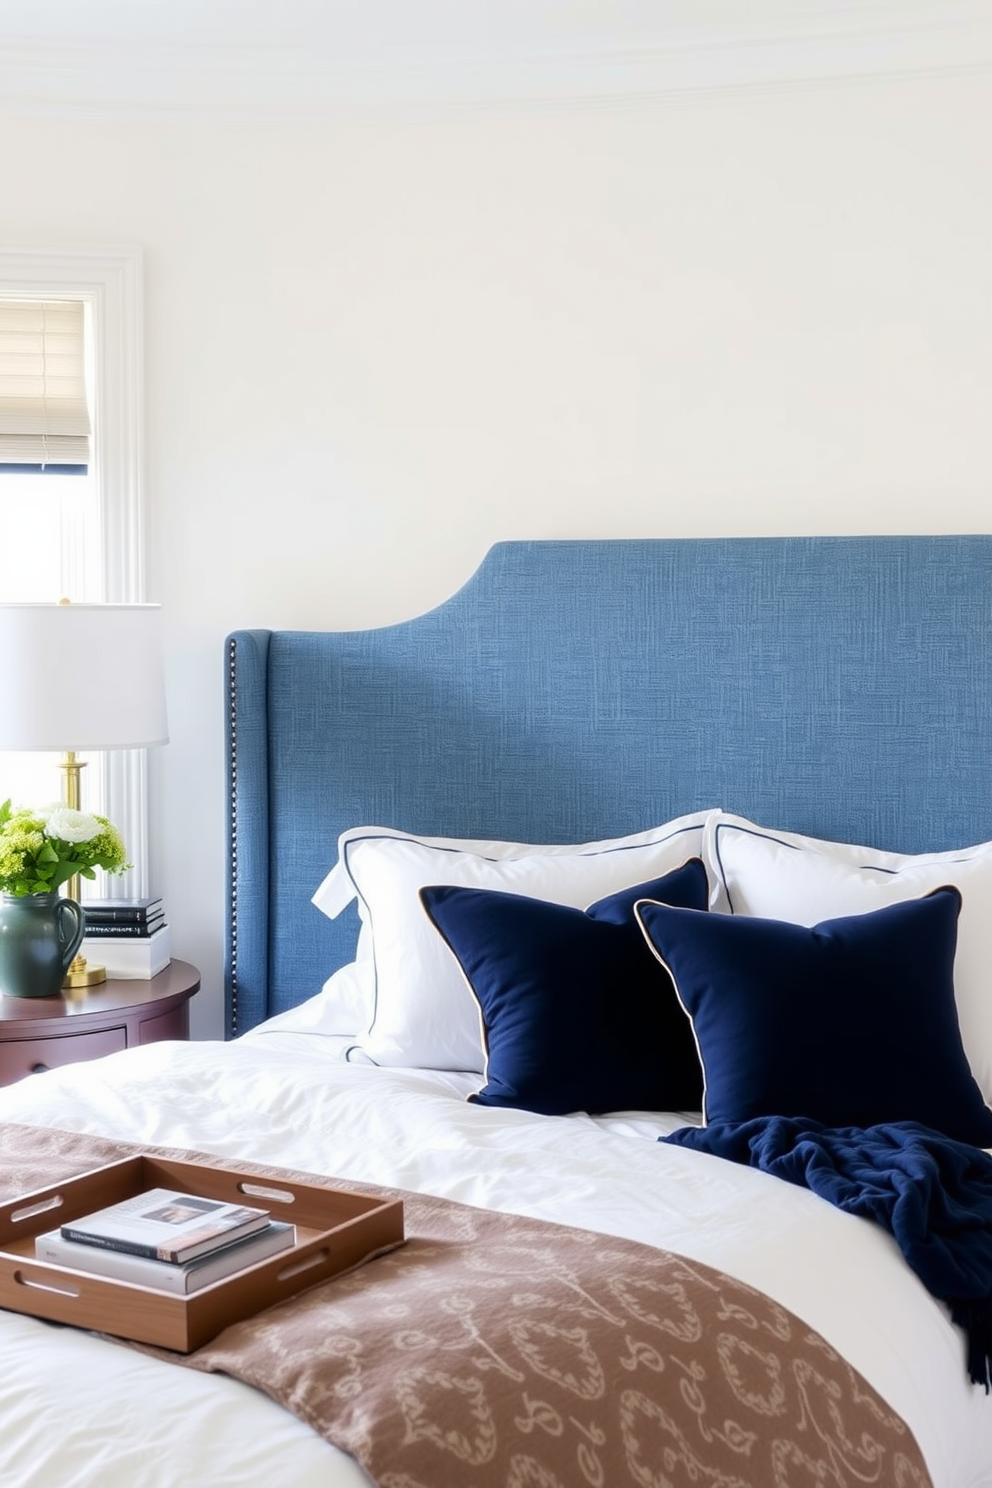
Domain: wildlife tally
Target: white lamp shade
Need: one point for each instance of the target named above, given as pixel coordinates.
(81, 676)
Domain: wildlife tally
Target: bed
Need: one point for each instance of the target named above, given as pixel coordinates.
(805, 723)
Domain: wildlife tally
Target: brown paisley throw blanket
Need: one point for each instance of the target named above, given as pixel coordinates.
(497, 1352)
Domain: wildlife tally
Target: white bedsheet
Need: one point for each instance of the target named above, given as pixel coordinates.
(77, 1411)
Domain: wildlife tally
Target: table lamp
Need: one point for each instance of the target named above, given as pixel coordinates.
(80, 677)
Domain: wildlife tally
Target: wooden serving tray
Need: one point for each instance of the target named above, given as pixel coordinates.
(335, 1230)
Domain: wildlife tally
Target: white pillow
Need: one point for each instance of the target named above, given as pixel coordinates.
(336, 1011)
(338, 889)
(343, 1004)
(422, 1015)
(755, 870)
(340, 999)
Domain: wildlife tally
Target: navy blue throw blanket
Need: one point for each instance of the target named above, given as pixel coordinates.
(932, 1194)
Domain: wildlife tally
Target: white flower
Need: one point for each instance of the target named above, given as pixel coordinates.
(72, 826)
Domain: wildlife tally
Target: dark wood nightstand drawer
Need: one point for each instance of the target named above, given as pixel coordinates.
(171, 1025)
(29, 1056)
(40, 1033)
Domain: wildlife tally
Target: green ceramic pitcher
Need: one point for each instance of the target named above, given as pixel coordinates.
(39, 935)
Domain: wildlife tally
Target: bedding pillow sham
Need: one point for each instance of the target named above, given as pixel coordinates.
(419, 1012)
(338, 889)
(337, 1011)
(755, 870)
(849, 1022)
(577, 1014)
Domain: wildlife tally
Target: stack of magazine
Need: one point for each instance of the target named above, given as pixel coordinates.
(176, 1242)
(130, 937)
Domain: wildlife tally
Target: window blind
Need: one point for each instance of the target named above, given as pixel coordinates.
(44, 419)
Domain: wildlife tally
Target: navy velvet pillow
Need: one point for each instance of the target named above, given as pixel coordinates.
(851, 1022)
(578, 1015)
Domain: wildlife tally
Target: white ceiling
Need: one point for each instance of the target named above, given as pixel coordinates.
(245, 58)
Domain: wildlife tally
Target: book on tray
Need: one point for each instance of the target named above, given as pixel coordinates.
(166, 1276)
(166, 1226)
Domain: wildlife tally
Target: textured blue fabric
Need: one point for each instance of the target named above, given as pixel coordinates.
(578, 1014)
(932, 1194)
(840, 687)
(851, 1022)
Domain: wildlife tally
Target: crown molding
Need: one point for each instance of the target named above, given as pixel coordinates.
(134, 79)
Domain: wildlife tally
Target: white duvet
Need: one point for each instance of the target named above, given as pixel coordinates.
(77, 1411)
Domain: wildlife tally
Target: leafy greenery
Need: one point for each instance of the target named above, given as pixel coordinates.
(40, 850)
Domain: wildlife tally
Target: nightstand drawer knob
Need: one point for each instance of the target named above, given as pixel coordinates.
(36, 1069)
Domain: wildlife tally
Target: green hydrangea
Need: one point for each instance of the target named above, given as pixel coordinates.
(40, 850)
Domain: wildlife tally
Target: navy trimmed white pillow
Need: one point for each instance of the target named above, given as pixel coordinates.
(577, 1013)
(417, 1012)
(850, 1022)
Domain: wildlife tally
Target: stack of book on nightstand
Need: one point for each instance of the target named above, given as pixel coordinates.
(175, 1242)
(129, 937)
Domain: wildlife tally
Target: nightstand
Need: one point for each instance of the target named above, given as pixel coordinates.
(38, 1033)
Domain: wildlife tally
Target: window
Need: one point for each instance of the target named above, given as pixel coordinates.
(80, 536)
(45, 417)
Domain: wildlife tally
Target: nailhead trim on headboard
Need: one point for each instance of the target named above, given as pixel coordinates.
(232, 990)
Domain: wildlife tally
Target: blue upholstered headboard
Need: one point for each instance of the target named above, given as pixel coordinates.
(574, 690)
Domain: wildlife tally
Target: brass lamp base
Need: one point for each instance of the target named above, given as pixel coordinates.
(82, 973)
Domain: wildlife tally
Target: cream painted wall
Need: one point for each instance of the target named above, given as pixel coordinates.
(372, 349)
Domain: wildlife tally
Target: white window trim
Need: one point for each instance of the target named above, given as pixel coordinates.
(110, 280)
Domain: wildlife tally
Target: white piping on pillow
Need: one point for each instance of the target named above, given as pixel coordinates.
(755, 870)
